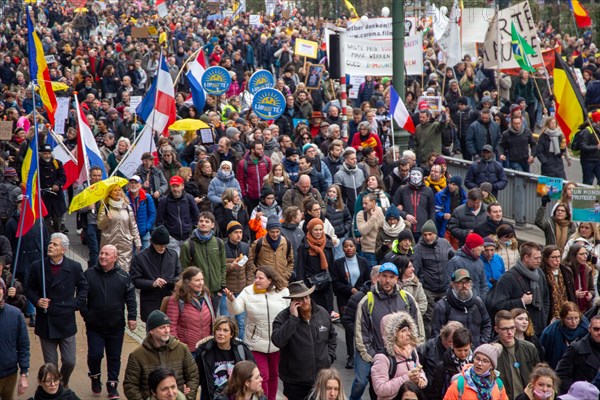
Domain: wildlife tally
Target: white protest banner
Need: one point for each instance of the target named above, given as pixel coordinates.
(353, 93)
(254, 19)
(413, 54)
(306, 48)
(374, 28)
(450, 42)
(519, 14)
(374, 57)
(439, 21)
(61, 115)
(134, 101)
(368, 57)
(475, 23)
(356, 80)
(50, 59)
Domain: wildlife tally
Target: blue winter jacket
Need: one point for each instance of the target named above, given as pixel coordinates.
(218, 184)
(493, 268)
(442, 206)
(14, 345)
(144, 211)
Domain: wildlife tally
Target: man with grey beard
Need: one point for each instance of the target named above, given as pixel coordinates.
(460, 304)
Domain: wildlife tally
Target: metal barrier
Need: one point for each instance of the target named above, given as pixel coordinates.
(519, 199)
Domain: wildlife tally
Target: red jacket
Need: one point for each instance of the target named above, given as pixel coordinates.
(250, 175)
(357, 142)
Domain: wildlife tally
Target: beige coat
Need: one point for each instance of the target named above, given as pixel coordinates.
(369, 228)
(120, 230)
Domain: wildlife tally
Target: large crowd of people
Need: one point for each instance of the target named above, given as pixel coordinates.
(248, 245)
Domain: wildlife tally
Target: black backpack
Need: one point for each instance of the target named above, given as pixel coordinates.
(394, 363)
(8, 200)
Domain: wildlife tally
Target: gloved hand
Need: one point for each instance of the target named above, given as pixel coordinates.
(545, 200)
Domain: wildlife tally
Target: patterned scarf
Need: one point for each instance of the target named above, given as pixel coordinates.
(483, 384)
(559, 292)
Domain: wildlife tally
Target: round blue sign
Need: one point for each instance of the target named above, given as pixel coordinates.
(261, 79)
(216, 80)
(268, 104)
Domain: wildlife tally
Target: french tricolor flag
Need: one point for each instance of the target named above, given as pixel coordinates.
(194, 77)
(61, 153)
(88, 154)
(399, 112)
(157, 109)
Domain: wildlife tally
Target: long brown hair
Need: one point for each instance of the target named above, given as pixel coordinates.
(182, 287)
(236, 384)
(277, 281)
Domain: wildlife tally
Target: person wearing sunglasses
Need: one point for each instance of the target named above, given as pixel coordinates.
(50, 385)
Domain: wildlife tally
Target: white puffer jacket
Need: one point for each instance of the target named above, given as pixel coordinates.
(262, 308)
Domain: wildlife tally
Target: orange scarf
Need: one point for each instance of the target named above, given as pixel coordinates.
(258, 291)
(317, 247)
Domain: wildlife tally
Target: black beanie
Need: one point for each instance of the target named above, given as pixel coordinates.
(161, 236)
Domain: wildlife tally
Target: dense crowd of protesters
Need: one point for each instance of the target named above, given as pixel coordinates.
(248, 248)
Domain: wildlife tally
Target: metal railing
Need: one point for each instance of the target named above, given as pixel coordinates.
(519, 199)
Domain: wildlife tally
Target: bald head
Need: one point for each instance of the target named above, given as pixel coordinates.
(107, 259)
(304, 184)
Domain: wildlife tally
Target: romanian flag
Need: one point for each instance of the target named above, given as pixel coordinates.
(31, 206)
(582, 17)
(570, 110)
(38, 69)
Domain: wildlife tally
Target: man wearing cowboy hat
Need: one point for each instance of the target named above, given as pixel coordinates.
(305, 336)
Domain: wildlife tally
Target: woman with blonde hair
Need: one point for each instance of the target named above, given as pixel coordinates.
(118, 226)
(524, 329)
(328, 386)
(190, 309)
(278, 180)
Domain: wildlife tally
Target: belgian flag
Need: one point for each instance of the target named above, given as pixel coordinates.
(570, 109)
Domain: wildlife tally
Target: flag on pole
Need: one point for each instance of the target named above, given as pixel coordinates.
(194, 77)
(88, 154)
(582, 16)
(450, 41)
(399, 112)
(157, 109)
(350, 7)
(38, 69)
(62, 154)
(133, 160)
(570, 110)
(161, 8)
(31, 207)
(521, 49)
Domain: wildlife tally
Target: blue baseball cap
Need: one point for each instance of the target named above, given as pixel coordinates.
(389, 267)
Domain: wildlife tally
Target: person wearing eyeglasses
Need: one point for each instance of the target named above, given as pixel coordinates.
(518, 357)
(581, 361)
(50, 385)
(480, 379)
(560, 281)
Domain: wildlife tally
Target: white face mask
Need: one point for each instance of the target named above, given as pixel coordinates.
(543, 395)
(416, 177)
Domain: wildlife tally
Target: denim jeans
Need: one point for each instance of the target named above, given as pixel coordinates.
(338, 251)
(591, 170)
(97, 343)
(91, 239)
(519, 166)
(362, 370)
(370, 258)
(240, 318)
(146, 241)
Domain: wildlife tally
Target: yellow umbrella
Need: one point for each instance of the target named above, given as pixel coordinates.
(81, 9)
(188, 124)
(96, 192)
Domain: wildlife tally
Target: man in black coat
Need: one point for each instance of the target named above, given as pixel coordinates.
(109, 290)
(305, 336)
(52, 179)
(155, 271)
(581, 361)
(63, 292)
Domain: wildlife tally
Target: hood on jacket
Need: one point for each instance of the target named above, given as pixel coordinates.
(391, 324)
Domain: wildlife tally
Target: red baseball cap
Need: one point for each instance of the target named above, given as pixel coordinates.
(176, 180)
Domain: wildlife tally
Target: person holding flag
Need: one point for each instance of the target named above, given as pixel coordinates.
(52, 180)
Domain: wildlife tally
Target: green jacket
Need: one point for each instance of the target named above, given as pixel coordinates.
(209, 257)
(428, 138)
(147, 357)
